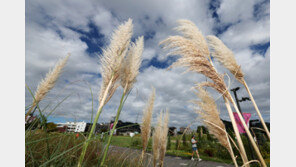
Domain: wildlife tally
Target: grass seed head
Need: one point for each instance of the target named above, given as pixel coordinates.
(209, 113)
(190, 31)
(192, 58)
(132, 63)
(147, 116)
(49, 81)
(225, 56)
(156, 139)
(113, 56)
(163, 137)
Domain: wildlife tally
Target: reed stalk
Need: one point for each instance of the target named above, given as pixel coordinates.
(226, 57)
(163, 138)
(249, 134)
(228, 141)
(257, 109)
(128, 73)
(195, 56)
(238, 137)
(114, 126)
(111, 61)
(156, 140)
(209, 113)
(85, 145)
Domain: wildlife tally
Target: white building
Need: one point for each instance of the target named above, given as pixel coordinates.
(73, 126)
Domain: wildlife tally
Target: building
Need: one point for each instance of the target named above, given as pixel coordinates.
(73, 126)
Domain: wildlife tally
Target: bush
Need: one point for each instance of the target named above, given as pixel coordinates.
(184, 142)
(169, 142)
(177, 144)
(209, 152)
(136, 142)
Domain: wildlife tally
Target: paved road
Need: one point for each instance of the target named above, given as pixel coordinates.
(177, 161)
(171, 161)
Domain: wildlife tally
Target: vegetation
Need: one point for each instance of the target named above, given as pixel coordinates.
(120, 62)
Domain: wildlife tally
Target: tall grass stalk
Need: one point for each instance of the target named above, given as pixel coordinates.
(236, 132)
(195, 56)
(128, 73)
(248, 133)
(209, 113)
(226, 57)
(94, 124)
(111, 61)
(146, 124)
(156, 140)
(122, 100)
(164, 137)
(47, 83)
(159, 138)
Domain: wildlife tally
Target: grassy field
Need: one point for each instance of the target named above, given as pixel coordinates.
(127, 141)
(185, 152)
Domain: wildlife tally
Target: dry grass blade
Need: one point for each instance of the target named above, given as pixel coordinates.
(113, 56)
(192, 58)
(146, 125)
(132, 63)
(225, 56)
(163, 138)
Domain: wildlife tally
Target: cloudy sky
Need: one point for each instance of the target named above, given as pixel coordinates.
(82, 28)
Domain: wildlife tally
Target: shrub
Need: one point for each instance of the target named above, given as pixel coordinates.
(136, 142)
(184, 142)
(169, 142)
(177, 144)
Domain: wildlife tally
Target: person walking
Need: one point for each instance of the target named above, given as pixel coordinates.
(194, 148)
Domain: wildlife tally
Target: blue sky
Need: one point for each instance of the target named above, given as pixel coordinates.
(82, 28)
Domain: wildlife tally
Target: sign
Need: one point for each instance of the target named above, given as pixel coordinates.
(247, 117)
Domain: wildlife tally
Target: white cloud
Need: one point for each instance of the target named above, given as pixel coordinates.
(232, 11)
(47, 20)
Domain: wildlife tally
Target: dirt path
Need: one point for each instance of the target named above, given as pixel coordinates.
(171, 161)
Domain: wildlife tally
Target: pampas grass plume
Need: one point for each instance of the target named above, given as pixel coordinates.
(225, 56)
(192, 58)
(132, 63)
(146, 125)
(209, 112)
(163, 138)
(49, 81)
(113, 57)
(156, 140)
(190, 31)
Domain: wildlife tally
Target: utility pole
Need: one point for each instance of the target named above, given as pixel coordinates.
(240, 110)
